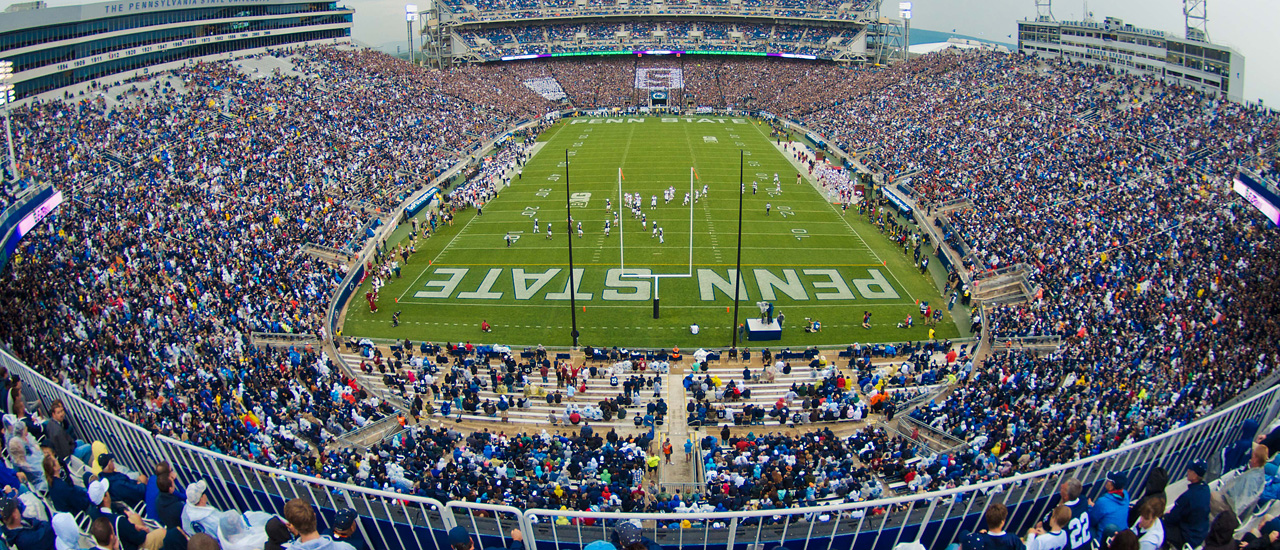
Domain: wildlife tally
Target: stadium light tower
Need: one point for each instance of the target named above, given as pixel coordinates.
(1044, 11)
(6, 97)
(410, 15)
(904, 11)
(1197, 15)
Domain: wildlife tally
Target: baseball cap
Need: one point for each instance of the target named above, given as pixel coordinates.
(458, 535)
(104, 459)
(97, 490)
(195, 491)
(345, 519)
(628, 533)
(1119, 479)
(277, 534)
(7, 506)
(1200, 467)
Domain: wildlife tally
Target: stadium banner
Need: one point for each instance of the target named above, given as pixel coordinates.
(349, 285)
(424, 200)
(21, 218)
(676, 53)
(896, 200)
(1258, 195)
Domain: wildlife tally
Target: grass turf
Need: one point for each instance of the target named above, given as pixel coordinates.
(807, 247)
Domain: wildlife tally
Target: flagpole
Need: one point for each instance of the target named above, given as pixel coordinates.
(622, 263)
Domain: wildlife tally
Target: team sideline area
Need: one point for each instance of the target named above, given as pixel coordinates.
(319, 297)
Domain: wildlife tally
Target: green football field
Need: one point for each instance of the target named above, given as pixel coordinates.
(800, 253)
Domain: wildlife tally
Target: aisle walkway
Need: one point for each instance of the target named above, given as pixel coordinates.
(677, 429)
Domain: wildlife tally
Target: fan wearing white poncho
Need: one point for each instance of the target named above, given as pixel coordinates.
(247, 531)
(66, 531)
(197, 515)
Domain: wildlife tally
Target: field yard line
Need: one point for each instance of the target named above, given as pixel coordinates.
(645, 304)
(433, 260)
(837, 211)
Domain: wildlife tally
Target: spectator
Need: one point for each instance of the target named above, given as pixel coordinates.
(1222, 531)
(1149, 529)
(22, 533)
(626, 536)
(245, 531)
(302, 522)
(1236, 454)
(1124, 540)
(104, 534)
(66, 531)
(1111, 511)
(345, 529)
(1188, 522)
(63, 494)
(277, 534)
(202, 541)
(460, 539)
(168, 505)
(132, 532)
(997, 539)
(24, 453)
(123, 488)
(162, 469)
(1056, 537)
(198, 516)
(1079, 535)
(12, 480)
(57, 435)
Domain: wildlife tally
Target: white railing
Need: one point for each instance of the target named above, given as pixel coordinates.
(394, 521)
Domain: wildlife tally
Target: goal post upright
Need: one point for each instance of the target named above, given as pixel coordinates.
(692, 174)
(657, 277)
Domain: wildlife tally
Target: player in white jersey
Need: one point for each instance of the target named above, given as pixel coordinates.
(653, 202)
(655, 232)
(535, 226)
(686, 199)
(660, 239)
(704, 189)
(608, 205)
(579, 230)
(606, 228)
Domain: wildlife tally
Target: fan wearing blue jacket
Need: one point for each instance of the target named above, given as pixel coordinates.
(1188, 522)
(1110, 513)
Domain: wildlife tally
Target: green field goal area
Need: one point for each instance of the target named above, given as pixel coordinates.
(799, 251)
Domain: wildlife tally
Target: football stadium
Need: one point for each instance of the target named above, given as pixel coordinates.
(635, 275)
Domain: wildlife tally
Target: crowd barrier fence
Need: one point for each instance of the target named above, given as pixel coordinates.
(394, 521)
